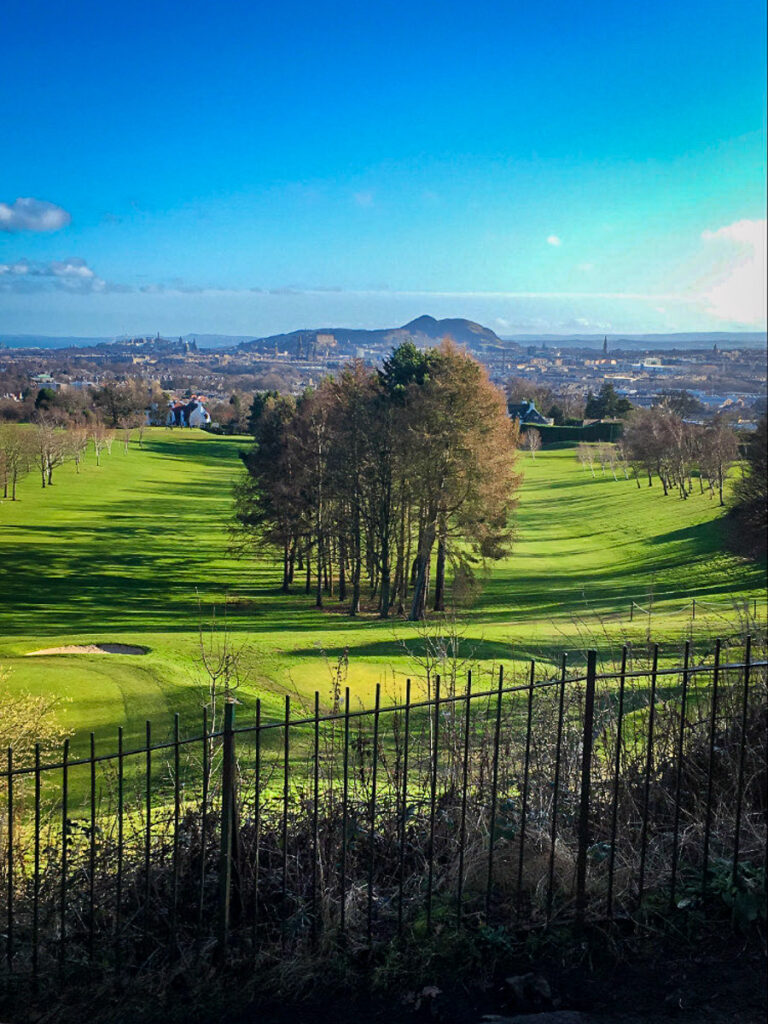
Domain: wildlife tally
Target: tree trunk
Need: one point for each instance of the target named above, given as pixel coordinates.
(319, 586)
(342, 568)
(439, 605)
(421, 589)
(386, 572)
(357, 567)
(286, 566)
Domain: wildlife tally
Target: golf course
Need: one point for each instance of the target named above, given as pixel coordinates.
(135, 555)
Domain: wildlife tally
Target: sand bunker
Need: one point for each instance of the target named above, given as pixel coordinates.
(90, 649)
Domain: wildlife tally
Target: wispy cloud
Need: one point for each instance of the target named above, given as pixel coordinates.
(736, 286)
(364, 198)
(554, 240)
(32, 215)
(73, 275)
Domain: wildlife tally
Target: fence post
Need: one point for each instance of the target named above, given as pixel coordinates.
(227, 822)
(586, 783)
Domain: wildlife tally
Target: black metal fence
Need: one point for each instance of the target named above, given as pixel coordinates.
(558, 797)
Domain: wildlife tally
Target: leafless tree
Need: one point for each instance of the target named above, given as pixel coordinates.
(49, 446)
(15, 456)
(532, 441)
(99, 434)
(586, 456)
(77, 439)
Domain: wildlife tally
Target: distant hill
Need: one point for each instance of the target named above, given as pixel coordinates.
(424, 331)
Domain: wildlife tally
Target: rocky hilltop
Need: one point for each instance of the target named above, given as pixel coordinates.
(423, 331)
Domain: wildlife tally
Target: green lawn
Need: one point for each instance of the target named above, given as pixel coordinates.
(120, 553)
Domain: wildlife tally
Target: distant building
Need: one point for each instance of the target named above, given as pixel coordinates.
(45, 380)
(528, 415)
(188, 414)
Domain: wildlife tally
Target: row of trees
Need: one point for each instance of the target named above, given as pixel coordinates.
(374, 475)
(45, 445)
(115, 402)
(659, 443)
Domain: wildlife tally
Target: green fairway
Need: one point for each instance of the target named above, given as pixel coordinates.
(130, 551)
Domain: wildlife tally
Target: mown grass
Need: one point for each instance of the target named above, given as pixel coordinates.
(131, 551)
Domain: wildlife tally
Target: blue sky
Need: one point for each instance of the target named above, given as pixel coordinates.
(551, 167)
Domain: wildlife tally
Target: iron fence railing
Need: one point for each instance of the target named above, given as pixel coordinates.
(562, 796)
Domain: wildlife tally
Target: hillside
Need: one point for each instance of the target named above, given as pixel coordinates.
(136, 552)
(423, 331)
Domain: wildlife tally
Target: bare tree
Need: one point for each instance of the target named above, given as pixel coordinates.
(98, 435)
(621, 458)
(719, 450)
(15, 456)
(532, 441)
(140, 424)
(586, 456)
(126, 429)
(50, 447)
(77, 439)
(221, 663)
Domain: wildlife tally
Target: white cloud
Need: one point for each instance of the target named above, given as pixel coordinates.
(585, 267)
(32, 215)
(735, 288)
(72, 274)
(554, 240)
(364, 198)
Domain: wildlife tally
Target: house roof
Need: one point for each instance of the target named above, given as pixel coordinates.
(527, 413)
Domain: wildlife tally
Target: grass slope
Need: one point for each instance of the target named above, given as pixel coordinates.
(119, 553)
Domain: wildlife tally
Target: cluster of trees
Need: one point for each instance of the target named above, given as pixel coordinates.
(115, 402)
(378, 477)
(610, 457)
(657, 442)
(563, 406)
(231, 416)
(120, 403)
(606, 404)
(46, 444)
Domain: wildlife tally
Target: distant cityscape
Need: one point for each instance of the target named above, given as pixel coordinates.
(723, 375)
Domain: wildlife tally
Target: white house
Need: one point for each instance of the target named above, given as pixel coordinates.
(191, 414)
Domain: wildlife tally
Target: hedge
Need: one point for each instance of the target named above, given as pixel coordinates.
(599, 431)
